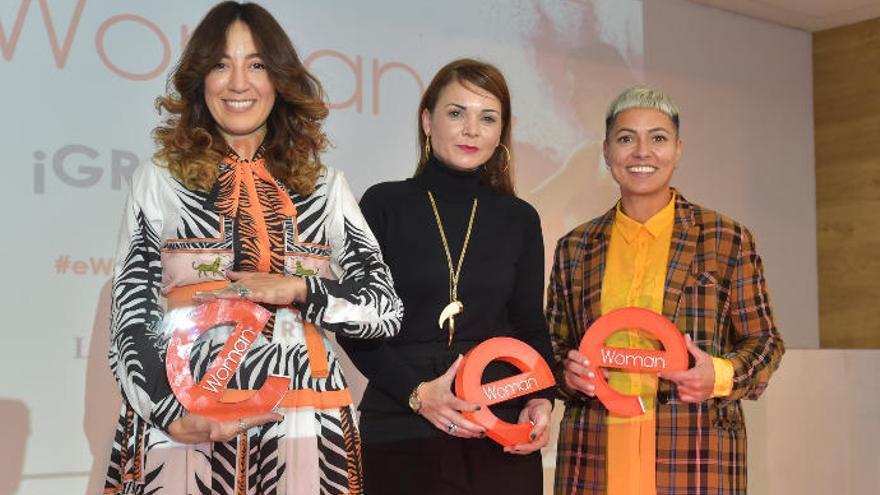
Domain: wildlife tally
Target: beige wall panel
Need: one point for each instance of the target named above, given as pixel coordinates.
(814, 431)
(846, 68)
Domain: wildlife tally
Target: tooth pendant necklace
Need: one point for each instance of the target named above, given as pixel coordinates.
(455, 306)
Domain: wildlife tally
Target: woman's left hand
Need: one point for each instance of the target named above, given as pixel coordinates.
(537, 411)
(269, 288)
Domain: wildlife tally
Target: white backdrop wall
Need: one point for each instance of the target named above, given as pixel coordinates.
(746, 92)
(78, 81)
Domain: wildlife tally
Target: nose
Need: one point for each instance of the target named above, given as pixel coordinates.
(471, 127)
(238, 80)
(643, 147)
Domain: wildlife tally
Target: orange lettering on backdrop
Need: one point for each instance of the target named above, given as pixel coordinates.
(166, 46)
(379, 71)
(8, 45)
(357, 68)
(207, 398)
(103, 39)
(468, 385)
(101, 266)
(184, 36)
(59, 52)
(674, 357)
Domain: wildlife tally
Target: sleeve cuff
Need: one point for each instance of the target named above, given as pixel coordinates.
(723, 377)
(166, 412)
(316, 300)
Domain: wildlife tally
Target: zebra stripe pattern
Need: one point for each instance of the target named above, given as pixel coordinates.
(163, 216)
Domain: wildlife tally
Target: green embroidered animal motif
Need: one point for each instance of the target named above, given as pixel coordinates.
(302, 271)
(208, 269)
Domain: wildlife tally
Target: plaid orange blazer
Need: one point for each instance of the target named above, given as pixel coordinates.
(715, 291)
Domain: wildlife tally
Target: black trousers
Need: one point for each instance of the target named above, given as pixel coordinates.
(448, 465)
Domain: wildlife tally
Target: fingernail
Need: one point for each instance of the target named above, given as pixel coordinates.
(590, 374)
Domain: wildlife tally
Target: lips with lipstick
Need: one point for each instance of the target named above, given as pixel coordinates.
(468, 149)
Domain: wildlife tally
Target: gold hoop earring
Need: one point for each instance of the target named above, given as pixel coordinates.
(507, 155)
(427, 147)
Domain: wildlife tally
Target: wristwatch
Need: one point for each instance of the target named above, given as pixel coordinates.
(414, 402)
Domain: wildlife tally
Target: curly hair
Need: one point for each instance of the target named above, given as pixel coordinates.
(189, 142)
(497, 176)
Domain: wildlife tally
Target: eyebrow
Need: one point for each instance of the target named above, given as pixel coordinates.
(248, 56)
(655, 129)
(462, 107)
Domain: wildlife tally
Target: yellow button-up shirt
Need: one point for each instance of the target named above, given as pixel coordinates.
(635, 275)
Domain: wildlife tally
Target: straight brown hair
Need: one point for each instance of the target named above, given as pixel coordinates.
(497, 175)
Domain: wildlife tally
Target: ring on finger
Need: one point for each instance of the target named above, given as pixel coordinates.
(451, 428)
(239, 290)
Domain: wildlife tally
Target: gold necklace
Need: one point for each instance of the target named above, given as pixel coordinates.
(455, 306)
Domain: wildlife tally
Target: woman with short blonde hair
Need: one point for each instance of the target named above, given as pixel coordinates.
(698, 268)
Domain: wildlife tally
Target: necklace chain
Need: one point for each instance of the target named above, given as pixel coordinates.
(454, 273)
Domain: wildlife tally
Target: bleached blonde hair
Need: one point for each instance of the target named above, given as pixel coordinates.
(641, 97)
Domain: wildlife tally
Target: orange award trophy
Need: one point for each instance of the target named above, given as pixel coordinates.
(673, 357)
(210, 397)
(535, 376)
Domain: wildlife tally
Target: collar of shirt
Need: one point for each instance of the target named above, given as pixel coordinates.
(629, 229)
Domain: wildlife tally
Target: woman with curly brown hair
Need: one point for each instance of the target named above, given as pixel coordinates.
(238, 193)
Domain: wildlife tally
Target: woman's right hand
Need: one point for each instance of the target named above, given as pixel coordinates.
(193, 428)
(577, 374)
(443, 409)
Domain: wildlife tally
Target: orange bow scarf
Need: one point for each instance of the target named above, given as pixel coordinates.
(247, 191)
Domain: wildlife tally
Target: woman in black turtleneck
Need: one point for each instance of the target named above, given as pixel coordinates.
(415, 439)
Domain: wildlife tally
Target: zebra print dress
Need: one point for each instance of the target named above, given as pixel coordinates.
(173, 238)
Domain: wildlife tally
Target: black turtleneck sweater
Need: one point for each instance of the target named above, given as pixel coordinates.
(501, 284)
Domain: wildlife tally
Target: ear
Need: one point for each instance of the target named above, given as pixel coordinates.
(426, 121)
(678, 150)
(605, 151)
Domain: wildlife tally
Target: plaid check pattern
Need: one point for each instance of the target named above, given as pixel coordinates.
(715, 291)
